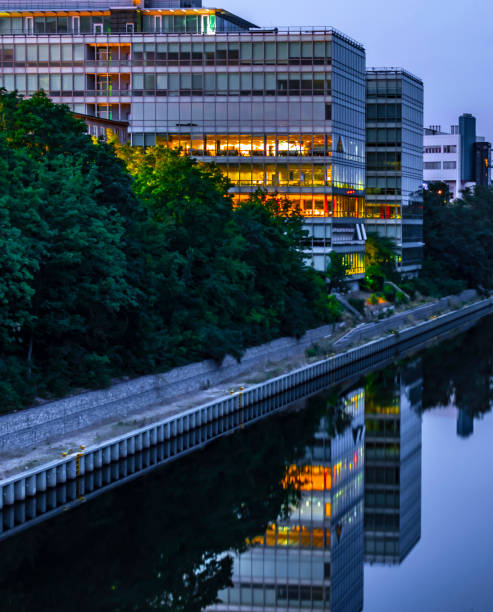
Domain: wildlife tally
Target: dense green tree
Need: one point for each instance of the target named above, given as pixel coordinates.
(239, 275)
(457, 239)
(108, 272)
(380, 261)
(67, 239)
(283, 295)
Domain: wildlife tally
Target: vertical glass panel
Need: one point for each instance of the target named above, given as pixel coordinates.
(78, 53)
(55, 82)
(270, 52)
(258, 52)
(270, 83)
(138, 81)
(8, 82)
(258, 81)
(246, 51)
(20, 53)
(55, 53)
(67, 82)
(78, 83)
(246, 82)
(282, 52)
(270, 145)
(186, 81)
(39, 25)
(294, 50)
(234, 81)
(173, 84)
(245, 148)
(43, 53)
(222, 82)
(173, 53)
(32, 83)
(209, 82)
(50, 25)
(258, 175)
(318, 49)
(197, 147)
(20, 82)
(32, 53)
(16, 24)
(307, 49)
(197, 83)
(44, 82)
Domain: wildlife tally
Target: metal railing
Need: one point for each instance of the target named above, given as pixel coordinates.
(396, 70)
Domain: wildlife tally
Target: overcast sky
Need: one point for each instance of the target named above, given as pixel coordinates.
(448, 43)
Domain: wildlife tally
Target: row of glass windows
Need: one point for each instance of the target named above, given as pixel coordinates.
(53, 25)
(381, 547)
(278, 175)
(272, 596)
(54, 84)
(382, 427)
(384, 137)
(383, 88)
(248, 145)
(437, 165)
(42, 54)
(412, 257)
(383, 185)
(193, 24)
(390, 499)
(322, 205)
(412, 233)
(384, 112)
(382, 211)
(383, 160)
(199, 53)
(247, 84)
(222, 53)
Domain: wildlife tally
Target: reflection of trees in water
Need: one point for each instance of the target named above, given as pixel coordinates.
(462, 368)
(158, 543)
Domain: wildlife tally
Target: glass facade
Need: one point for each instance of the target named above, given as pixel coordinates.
(393, 465)
(314, 557)
(279, 109)
(394, 162)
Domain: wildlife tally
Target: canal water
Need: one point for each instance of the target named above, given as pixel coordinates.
(374, 496)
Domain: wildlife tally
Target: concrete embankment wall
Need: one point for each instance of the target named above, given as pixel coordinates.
(30, 427)
(112, 462)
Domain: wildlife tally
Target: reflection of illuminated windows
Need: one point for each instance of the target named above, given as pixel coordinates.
(295, 536)
(308, 478)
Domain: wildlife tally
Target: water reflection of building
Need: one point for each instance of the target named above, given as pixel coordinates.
(393, 465)
(465, 423)
(313, 558)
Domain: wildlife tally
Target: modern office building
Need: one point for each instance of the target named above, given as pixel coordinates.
(393, 464)
(313, 558)
(279, 109)
(458, 158)
(394, 162)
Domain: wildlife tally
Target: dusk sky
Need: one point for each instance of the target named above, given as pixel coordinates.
(448, 43)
